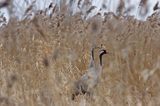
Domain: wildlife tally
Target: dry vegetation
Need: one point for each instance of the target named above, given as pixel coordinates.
(41, 58)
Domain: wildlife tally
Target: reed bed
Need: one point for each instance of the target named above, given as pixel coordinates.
(41, 58)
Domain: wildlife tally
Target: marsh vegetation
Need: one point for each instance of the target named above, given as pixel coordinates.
(41, 58)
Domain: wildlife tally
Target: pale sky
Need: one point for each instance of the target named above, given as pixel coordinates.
(112, 5)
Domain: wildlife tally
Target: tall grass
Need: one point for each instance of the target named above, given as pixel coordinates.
(41, 58)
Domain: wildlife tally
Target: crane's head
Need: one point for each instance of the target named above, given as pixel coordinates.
(103, 51)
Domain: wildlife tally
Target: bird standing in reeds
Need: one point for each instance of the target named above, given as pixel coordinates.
(90, 79)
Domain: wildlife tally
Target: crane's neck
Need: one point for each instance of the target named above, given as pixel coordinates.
(100, 58)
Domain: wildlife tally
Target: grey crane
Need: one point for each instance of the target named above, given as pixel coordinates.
(89, 80)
